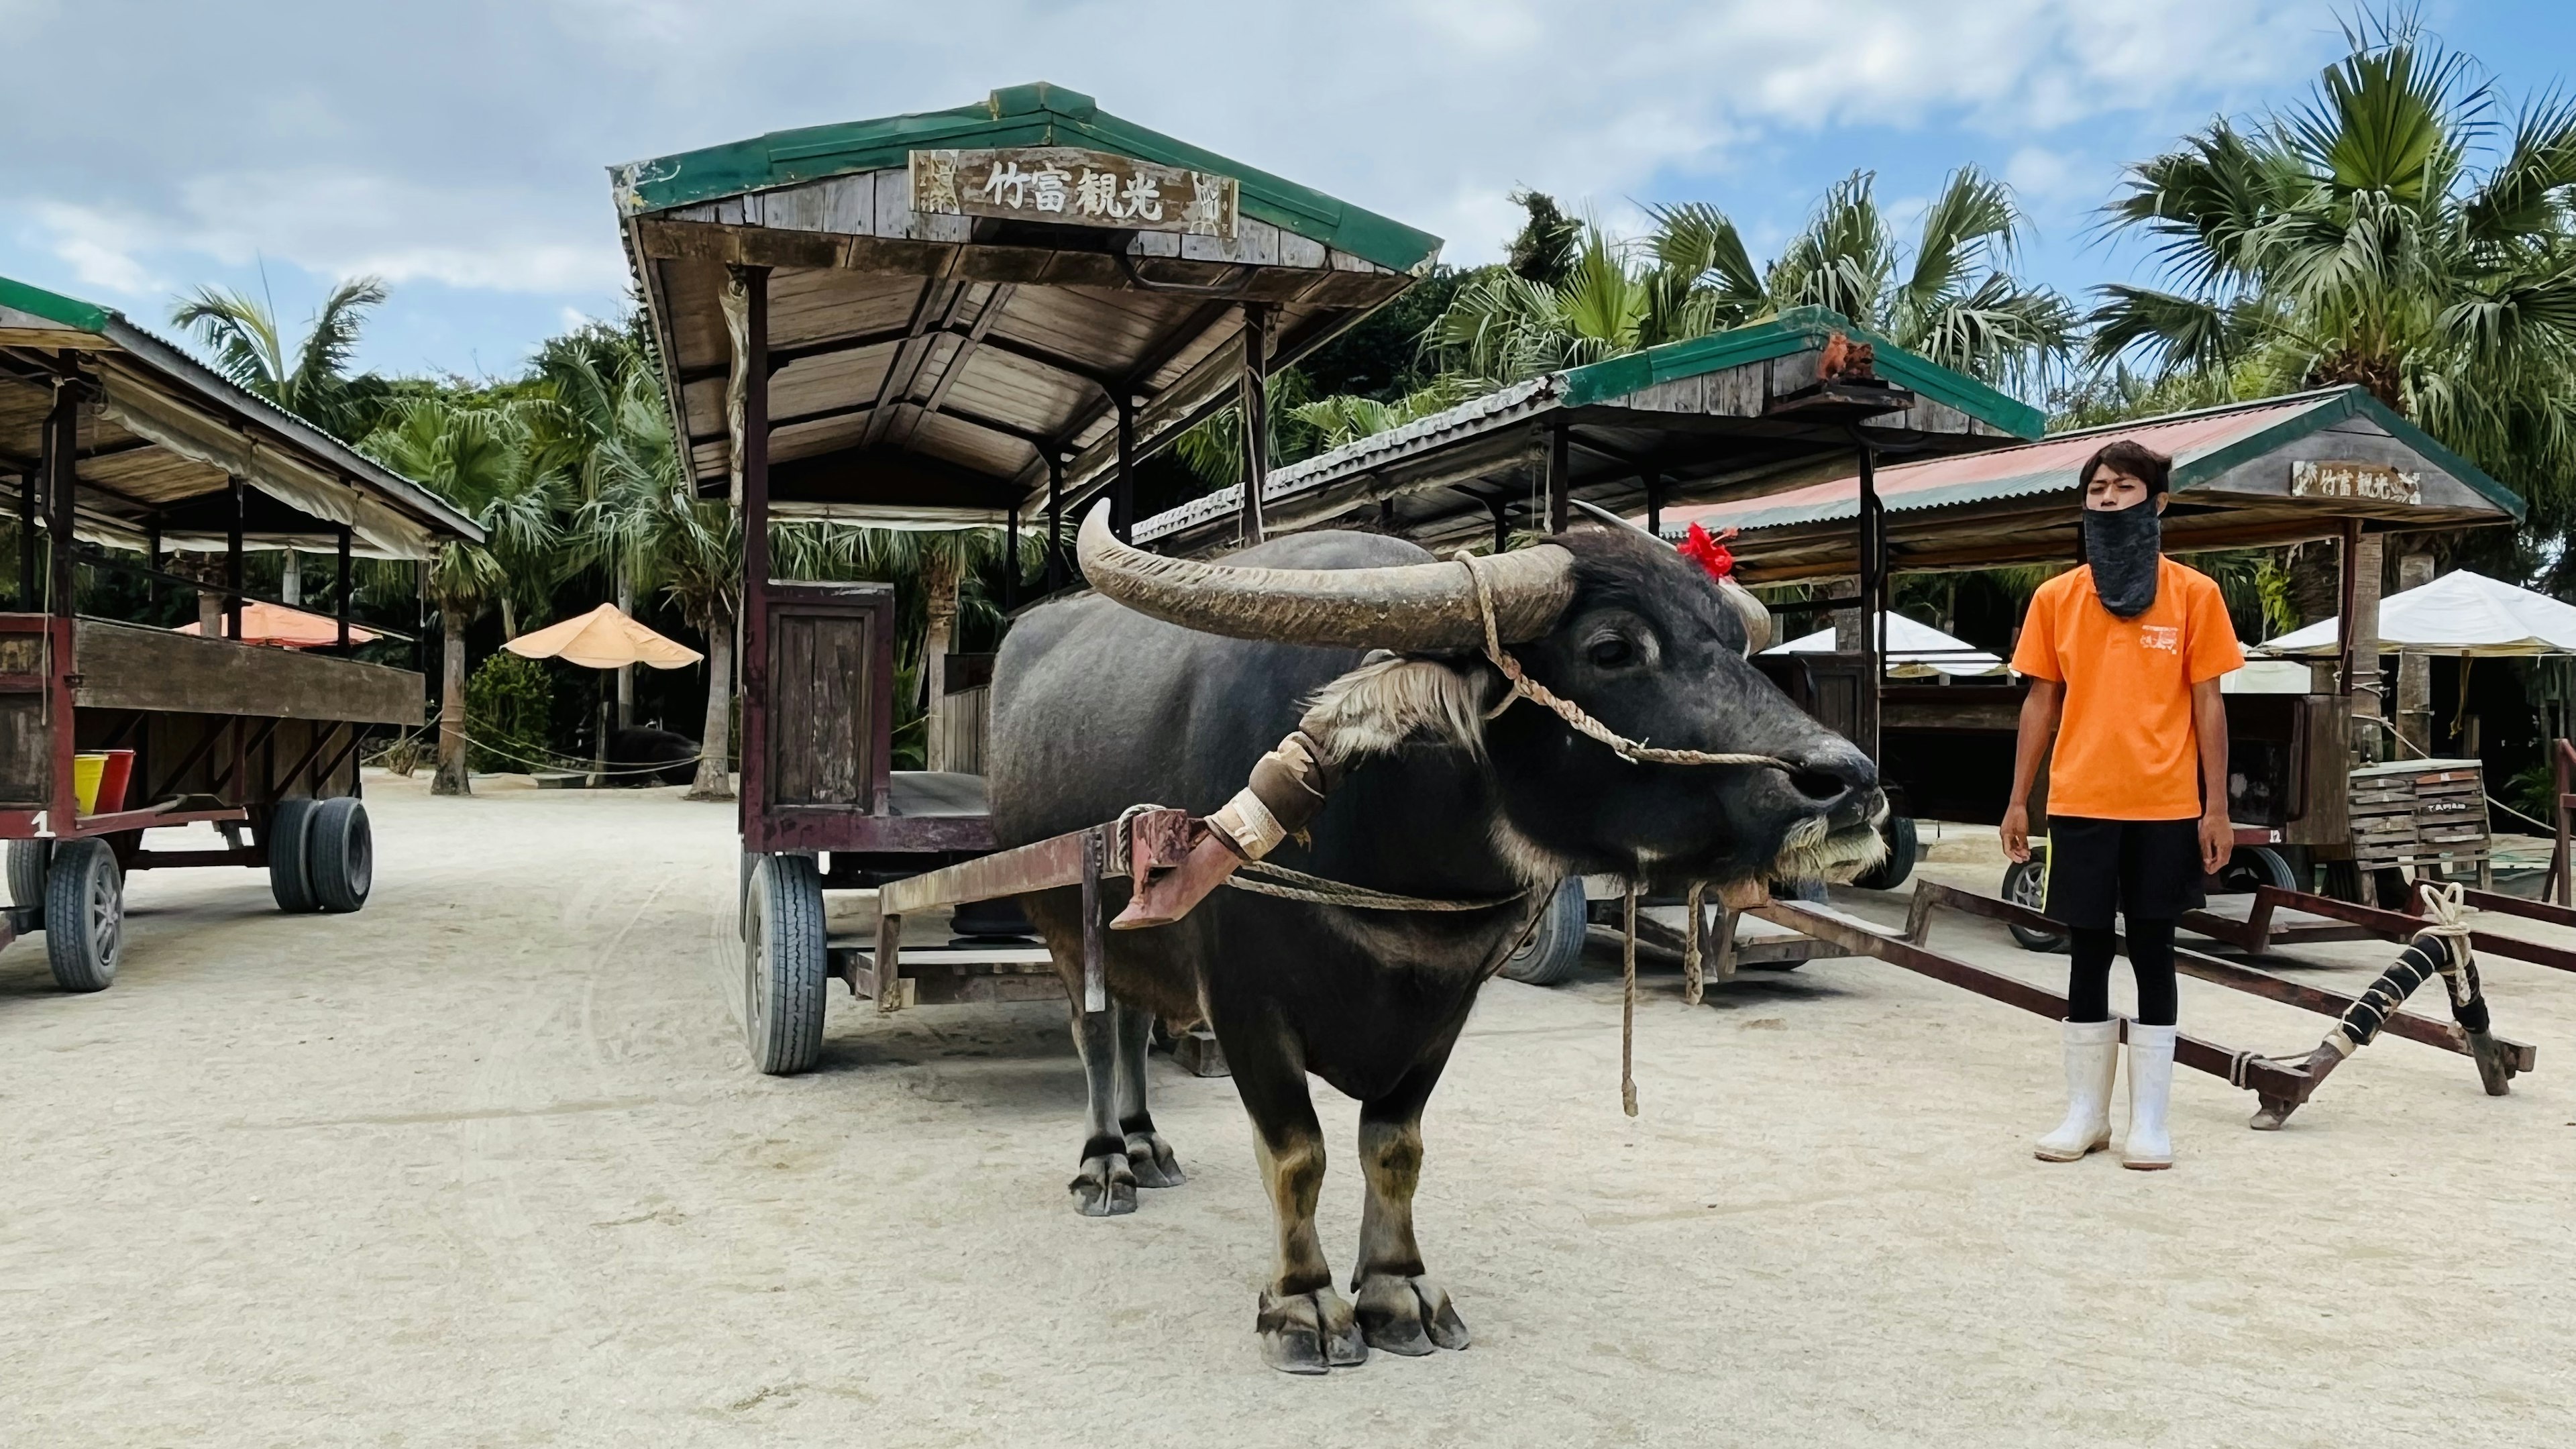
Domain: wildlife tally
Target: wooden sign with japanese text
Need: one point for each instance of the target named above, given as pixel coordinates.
(2375, 482)
(1073, 187)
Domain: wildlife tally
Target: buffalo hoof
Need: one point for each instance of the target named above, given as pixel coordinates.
(1105, 1187)
(1309, 1333)
(1150, 1157)
(1410, 1316)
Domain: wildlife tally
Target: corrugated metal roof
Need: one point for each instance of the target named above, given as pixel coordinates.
(2201, 444)
(1607, 383)
(175, 363)
(1041, 114)
(1422, 434)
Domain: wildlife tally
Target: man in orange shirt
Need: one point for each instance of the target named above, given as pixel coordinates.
(2123, 657)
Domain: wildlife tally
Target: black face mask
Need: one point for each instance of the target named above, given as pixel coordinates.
(2125, 549)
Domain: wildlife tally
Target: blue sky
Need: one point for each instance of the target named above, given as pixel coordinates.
(458, 149)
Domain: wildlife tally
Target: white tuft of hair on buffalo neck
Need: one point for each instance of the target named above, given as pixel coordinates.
(1385, 702)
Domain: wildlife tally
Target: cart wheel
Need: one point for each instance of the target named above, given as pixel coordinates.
(289, 838)
(2256, 865)
(84, 915)
(2026, 884)
(340, 854)
(27, 860)
(1554, 950)
(1890, 873)
(784, 965)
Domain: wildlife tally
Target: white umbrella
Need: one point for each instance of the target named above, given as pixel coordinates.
(1914, 651)
(2460, 613)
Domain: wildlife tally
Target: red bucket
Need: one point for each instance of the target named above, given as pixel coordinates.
(112, 780)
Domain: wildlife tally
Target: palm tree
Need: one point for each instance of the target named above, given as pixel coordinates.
(2353, 239)
(1952, 298)
(476, 456)
(641, 519)
(311, 379)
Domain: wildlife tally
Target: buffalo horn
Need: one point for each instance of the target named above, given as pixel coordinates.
(1404, 607)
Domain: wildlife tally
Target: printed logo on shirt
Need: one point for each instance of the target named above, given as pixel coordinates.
(2167, 637)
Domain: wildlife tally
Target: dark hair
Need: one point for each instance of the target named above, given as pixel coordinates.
(2135, 459)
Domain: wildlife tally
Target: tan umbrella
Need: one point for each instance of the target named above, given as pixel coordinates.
(604, 638)
(288, 628)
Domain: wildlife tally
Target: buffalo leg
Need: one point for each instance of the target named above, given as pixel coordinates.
(1148, 1155)
(1400, 1309)
(1305, 1327)
(1106, 1185)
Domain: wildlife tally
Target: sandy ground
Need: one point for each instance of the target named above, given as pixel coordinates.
(485, 1166)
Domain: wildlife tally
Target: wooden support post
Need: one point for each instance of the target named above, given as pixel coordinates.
(1874, 598)
(1502, 523)
(1122, 492)
(1654, 503)
(233, 563)
(31, 594)
(1055, 569)
(1255, 415)
(2361, 615)
(2562, 862)
(1560, 480)
(1011, 562)
(60, 461)
(1095, 970)
(2415, 671)
(755, 553)
(341, 604)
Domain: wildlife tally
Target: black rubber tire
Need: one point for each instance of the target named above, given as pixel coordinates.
(289, 836)
(1554, 951)
(2025, 881)
(341, 854)
(84, 915)
(785, 966)
(1902, 849)
(2250, 866)
(27, 862)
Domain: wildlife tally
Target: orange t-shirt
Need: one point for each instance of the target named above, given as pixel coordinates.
(2126, 746)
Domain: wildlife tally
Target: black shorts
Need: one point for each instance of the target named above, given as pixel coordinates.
(2147, 870)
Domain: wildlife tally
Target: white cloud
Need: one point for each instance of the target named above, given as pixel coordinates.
(476, 160)
(102, 248)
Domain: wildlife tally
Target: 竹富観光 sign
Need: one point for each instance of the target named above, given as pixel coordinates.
(2376, 482)
(1073, 187)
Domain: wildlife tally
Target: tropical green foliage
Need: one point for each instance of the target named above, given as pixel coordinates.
(508, 704)
(2399, 230)
(1952, 296)
(478, 457)
(310, 378)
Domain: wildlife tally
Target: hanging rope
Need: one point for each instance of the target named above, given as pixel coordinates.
(1524, 687)
(1628, 1007)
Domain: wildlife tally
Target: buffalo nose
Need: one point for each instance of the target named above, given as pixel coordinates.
(1828, 779)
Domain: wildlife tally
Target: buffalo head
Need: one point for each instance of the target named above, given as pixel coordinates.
(1622, 626)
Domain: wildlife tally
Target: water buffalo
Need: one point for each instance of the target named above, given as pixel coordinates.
(1373, 649)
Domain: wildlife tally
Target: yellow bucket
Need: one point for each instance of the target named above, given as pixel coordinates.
(87, 767)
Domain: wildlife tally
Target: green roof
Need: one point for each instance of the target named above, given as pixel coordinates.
(1796, 330)
(1030, 115)
(53, 306)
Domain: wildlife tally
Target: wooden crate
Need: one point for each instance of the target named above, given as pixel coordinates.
(2421, 815)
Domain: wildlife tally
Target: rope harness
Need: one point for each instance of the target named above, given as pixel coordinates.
(1524, 687)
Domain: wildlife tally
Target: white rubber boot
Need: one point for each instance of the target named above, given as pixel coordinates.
(2092, 1058)
(2149, 1147)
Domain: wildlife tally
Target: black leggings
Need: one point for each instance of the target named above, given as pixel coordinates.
(2088, 976)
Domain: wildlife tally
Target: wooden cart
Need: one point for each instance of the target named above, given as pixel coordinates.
(109, 436)
(971, 318)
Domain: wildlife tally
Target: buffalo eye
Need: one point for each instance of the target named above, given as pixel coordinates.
(1613, 652)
